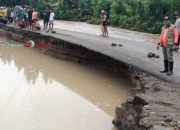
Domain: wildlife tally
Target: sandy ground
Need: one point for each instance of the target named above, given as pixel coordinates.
(113, 31)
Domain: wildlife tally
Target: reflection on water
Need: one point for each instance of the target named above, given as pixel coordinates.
(41, 93)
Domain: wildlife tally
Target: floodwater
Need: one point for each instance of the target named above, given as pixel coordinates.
(43, 93)
(113, 31)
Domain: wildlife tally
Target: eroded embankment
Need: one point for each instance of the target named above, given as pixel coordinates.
(156, 104)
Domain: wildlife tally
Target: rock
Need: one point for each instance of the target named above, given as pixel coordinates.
(157, 56)
(178, 123)
(156, 89)
(151, 54)
(139, 101)
(173, 124)
(47, 31)
(113, 44)
(113, 122)
(130, 100)
(130, 117)
(123, 104)
(163, 124)
(120, 45)
(53, 31)
(148, 86)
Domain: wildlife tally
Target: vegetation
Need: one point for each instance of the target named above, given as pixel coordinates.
(140, 15)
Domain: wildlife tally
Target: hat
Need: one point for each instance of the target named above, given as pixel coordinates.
(167, 18)
(102, 11)
(178, 14)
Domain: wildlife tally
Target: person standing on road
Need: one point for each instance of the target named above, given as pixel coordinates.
(30, 18)
(9, 15)
(169, 41)
(38, 15)
(177, 24)
(18, 14)
(15, 15)
(5, 13)
(46, 17)
(105, 22)
(51, 19)
(1, 13)
(102, 27)
(34, 18)
(22, 14)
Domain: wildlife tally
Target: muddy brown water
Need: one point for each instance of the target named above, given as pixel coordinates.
(42, 93)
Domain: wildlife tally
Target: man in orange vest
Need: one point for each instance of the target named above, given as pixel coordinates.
(168, 41)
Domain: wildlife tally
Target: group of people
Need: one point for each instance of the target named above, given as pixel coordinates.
(169, 41)
(27, 18)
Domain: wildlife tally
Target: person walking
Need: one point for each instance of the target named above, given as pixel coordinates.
(105, 22)
(30, 18)
(102, 27)
(46, 17)
(168, 41)
(177, 24)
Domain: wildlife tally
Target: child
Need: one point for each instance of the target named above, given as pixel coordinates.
(51, 19)
(102, 27)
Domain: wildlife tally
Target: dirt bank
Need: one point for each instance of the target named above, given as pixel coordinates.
(156, 105)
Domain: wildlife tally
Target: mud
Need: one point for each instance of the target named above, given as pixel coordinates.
(157, 102)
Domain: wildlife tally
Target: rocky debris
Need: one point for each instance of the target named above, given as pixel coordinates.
(15, 37)
(157, 56)
(151, 54)
(53, 31)
(113, 44)
(120, 45)
(173, 123)
(128, 115)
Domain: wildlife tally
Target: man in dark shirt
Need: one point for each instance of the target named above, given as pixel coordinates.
(30, 18)
(105, 22)
(46, 17)
(18, 14)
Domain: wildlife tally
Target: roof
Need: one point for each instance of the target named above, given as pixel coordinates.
(55, 4)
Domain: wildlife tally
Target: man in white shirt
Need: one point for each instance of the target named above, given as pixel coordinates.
(177, 24)
(51, 19)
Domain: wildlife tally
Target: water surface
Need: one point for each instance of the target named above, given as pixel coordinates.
(42, 93)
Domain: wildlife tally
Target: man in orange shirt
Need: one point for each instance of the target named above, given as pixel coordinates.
(168, 41)
(22, 23)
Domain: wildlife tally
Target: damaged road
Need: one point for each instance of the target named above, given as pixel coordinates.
(156, 105)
